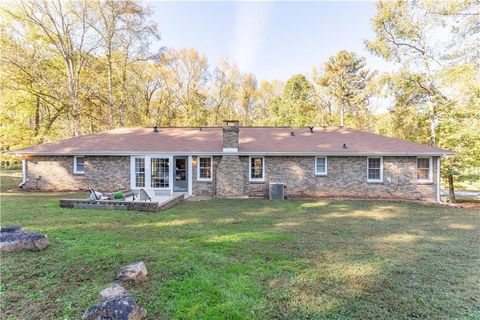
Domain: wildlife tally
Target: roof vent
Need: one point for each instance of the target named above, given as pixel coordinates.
(345, 146)
(155, 129)
(311, 129)
(292, 133)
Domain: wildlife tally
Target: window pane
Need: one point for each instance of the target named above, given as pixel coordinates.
(160, 173)
(320, 165)
(423, 169)
(256, 168)
(205, 168)
(374, 168)
(80, 164)
(139, 172)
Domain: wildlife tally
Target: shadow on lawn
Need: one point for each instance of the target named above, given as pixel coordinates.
(273, 260)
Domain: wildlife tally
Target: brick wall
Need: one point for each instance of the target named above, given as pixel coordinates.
(103, 173)
(346, 177)
(204, 188)
(230, 177)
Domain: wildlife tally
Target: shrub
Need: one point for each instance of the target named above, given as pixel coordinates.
(118, 196)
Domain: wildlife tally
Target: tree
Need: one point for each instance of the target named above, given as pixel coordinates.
(64, 26)
(223, 91)
(346, 78)
(297, 106)
(247, 96)
(405, 33)
(123, 31)
(188, 75)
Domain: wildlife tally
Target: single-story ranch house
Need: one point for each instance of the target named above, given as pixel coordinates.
(234, 161)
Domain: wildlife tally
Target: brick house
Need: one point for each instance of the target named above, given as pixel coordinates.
(234, 161)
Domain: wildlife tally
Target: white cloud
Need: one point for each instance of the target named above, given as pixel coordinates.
(250, 25)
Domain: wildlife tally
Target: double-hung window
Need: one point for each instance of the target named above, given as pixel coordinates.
(256, 169)
(204, 171)
(424, 169)
(321, 166)
(140, 172)
(78, 164)
(375, 169)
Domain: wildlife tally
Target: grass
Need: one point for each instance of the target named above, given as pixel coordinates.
(249, 259)
(10, 179)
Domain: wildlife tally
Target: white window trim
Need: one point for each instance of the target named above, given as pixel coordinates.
(198, 169)
(430, 171)
(381, 170)
(75, 164)
(250, 169)
(148, 171)
(326, 166)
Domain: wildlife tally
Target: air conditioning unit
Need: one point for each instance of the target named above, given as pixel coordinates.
(276, 191)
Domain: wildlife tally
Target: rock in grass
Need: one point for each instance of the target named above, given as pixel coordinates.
(22, 240)
(10, 229)
(120, 308)
(113, 291)
(136, 272)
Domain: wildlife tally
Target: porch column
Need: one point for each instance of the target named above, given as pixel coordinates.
(190, 178)
(438, 181)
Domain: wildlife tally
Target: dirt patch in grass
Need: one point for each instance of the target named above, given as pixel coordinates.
(249, 259)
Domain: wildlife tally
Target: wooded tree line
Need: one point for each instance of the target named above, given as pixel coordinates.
(81, 66)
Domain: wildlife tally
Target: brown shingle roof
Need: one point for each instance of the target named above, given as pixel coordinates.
(259, 140)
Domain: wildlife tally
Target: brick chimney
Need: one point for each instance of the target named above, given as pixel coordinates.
(230, 170)
(231, 129)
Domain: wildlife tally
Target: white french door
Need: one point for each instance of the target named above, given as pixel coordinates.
(151, 172)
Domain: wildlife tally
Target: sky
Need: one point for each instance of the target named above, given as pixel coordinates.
(272, 40)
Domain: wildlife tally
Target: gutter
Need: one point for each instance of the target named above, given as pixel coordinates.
(240, 153)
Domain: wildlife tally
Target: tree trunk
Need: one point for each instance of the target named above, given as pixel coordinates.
(433, 136)
(451, 189)
(111, 105)
(37, 116)
(341, 115)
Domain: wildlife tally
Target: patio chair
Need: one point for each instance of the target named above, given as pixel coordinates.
(95, 195)
(143, 195)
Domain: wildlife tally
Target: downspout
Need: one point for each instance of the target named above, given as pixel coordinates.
(24, 173)
(190, 178)
(439, 200)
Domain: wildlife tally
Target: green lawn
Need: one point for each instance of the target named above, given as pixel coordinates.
(249, 259)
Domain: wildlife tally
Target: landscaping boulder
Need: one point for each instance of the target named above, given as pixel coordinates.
(119, 308)
(136, 272)
(113, 291)
(10, 229)
(22, 240)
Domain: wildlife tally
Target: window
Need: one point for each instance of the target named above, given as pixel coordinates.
(160, 170)
(204, 172)
(374, 169)
(78, 164)
(424, 169)
(321, 166)
(140, 172)
(256, 168)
